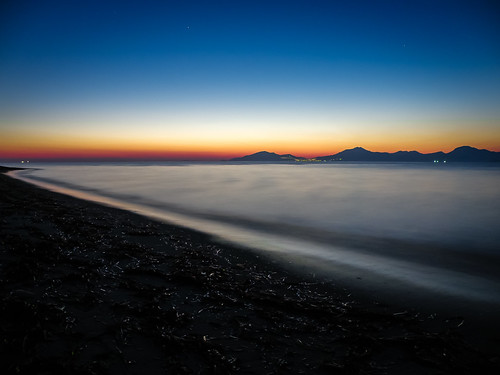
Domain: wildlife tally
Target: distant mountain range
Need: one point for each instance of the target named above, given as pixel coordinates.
(268, 156)
(460, 154)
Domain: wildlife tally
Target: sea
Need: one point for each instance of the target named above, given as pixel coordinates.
(427, 227)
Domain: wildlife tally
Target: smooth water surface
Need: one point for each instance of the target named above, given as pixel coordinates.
(435, 226)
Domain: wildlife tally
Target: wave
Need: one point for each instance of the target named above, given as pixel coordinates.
(427, 264)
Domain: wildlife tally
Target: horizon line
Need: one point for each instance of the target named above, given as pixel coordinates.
(184, 157)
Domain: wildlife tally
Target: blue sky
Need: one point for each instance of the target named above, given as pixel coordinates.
(225, 76)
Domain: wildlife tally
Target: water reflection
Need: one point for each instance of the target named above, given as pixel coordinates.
(404, 220)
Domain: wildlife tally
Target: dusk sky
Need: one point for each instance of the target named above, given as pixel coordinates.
(218, 79)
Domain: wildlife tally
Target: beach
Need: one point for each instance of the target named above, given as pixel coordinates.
(89, 289)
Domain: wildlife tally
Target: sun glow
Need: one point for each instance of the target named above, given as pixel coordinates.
(221, 145)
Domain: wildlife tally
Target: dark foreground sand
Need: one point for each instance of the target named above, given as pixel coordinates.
(87, 289)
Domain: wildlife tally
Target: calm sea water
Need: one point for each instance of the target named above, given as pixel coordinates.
(434, 226)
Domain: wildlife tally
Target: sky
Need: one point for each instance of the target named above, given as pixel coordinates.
(218, 79)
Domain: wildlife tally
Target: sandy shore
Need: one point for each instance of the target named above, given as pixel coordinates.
(88, 289)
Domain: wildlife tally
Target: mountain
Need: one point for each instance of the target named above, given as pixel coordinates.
(460, 154)
(268, 156)
(357, 154)
(467, 153)
(360, 154)
(463, 154)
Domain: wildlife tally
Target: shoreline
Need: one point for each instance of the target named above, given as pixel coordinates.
(89, 288)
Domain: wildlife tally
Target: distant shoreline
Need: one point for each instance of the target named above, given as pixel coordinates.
(359, 154)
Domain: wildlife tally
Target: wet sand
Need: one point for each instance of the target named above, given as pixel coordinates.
(91, 289)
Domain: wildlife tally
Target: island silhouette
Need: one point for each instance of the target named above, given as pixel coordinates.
(460, 154)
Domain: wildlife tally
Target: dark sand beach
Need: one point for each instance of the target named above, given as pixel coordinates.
(88, 289)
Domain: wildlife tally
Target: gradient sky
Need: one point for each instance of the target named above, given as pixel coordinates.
(215, 79)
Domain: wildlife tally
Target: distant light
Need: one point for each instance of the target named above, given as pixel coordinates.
(22, 161)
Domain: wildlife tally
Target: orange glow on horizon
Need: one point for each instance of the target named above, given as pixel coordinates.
(17, 145)
(41, 154)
